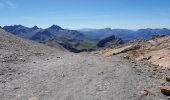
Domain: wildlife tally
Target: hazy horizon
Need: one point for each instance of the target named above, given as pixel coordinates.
(78, 14)
(84, 28)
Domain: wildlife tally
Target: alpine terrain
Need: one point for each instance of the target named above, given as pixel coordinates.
(33, 71)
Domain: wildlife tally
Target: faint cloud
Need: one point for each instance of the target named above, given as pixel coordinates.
(7, 4)
(10, 4)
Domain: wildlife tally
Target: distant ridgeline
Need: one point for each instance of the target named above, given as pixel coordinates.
(125, 34)
(82, 40)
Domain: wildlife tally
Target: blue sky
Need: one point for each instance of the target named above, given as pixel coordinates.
(75, 14)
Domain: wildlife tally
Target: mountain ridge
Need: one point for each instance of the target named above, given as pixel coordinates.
(85, 40)
(90, 33)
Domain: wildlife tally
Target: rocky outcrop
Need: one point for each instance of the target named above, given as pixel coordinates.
(109, 41)
(155, 50)
(124, 49)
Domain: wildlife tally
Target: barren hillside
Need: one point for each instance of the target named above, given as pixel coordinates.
(155, 50)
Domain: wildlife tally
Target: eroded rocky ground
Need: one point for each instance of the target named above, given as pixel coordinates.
(155, 50)
(31, 71)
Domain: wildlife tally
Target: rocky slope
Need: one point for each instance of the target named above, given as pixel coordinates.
(155, 50)
(32, 71)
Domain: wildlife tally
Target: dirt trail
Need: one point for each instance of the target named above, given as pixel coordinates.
(78, 77)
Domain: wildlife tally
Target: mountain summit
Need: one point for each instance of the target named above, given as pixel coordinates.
(55, 27)
(35, 27)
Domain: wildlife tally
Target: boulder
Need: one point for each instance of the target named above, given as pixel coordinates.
(165, 90)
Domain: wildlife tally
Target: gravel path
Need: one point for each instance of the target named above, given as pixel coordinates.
(78, 77)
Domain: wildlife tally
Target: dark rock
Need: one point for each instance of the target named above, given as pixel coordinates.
(168, 79)
(126, 57)
(165, 90)
(16, 88)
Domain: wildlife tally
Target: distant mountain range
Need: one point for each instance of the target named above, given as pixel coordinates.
(72, 40)
(23, 31)
(84, 39)
(40, 34)
(124, 34)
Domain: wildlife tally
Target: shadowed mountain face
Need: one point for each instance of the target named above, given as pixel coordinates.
(57, 32)
(39, 34)
(112, 40)
(22, 31)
